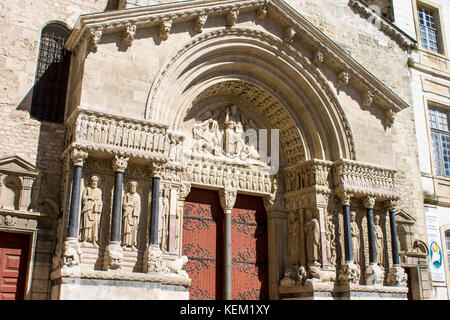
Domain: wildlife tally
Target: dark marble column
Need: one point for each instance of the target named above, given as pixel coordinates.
(394, 238)
(347, 229)
(154, 211)
(78, 158)
(119, 165)
(369, 203)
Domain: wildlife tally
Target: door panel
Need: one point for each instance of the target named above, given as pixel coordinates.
(203, 244)
(14, 249)
(249, 249)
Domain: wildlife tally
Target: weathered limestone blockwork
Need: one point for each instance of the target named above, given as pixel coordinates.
(174, 68)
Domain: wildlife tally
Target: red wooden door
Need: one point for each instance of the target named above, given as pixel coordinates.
(203, 244)
(14, 249)
(249, 249)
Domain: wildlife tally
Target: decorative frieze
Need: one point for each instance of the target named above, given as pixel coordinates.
(89, 130)
(365, 180)
(308, 176)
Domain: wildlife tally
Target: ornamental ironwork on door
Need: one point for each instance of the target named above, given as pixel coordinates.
(203, 244)
(249, 249)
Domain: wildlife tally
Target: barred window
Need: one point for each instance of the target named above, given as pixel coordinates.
(49, 93)
(429, 33)
(441, 140)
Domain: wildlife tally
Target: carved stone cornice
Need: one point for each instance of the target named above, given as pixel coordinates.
(151, 16)
(89, 131)
(364, 180)
(404, 41)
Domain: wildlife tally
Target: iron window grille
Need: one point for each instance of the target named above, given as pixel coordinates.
(49, 94)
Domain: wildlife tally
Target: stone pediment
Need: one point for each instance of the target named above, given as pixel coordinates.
(404, 217)
(17, 165)
(296, 31)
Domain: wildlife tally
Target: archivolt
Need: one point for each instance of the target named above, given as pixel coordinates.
(266, 64)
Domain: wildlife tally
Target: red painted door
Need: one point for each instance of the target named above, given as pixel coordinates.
(249, 249)
(203, 244)
(14, 250)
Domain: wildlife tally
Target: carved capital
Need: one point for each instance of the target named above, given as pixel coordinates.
(93, 40)
(156, 168)
(164, 29)
(374, 275)
(78, 157)
(120, 163)
(232, 17)
(130, 31)
(346, 198)
(367, 98)
(185, 189)
(392, 205)
(289, 34)
(369, 202)
(199, 22)
(227, 198)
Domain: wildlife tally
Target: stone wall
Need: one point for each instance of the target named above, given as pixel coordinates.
(39, 142)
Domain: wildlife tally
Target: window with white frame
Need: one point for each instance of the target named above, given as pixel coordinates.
(441, 140)
(428, 25)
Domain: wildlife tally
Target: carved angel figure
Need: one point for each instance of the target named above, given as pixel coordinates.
(131, 210)
(91, 210)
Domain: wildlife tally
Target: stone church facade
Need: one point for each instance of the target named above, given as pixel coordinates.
(240, 149)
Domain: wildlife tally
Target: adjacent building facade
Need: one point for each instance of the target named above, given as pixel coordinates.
(240, 149)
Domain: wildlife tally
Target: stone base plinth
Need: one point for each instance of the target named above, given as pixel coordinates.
(330, 291)
(103, 285)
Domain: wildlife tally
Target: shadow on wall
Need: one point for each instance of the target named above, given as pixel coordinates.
(112, 5)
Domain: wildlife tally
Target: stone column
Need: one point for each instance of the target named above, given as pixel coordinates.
(25, 192)
(350, 272)
(277, 246)
(114, 250)
(374, 274)
(227, 200)
(72, 252)
(153, 256)
(397, 275)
